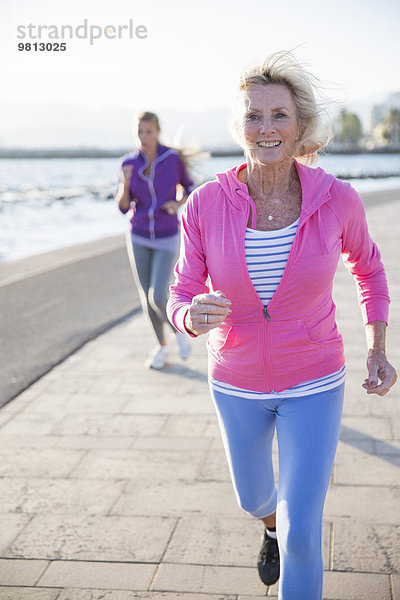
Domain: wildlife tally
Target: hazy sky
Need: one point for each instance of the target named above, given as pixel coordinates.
(194, 50)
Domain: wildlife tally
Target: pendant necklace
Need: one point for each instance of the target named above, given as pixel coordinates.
(270, 216)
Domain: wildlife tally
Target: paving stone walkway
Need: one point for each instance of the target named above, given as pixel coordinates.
(114, 485)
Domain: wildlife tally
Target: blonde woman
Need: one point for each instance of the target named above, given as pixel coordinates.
(260, 247)
(148, 188)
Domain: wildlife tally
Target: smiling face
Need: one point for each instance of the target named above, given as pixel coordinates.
(270, 124)
(148, 133)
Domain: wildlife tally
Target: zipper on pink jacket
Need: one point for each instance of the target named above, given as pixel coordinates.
(265, 331)
(266, 313)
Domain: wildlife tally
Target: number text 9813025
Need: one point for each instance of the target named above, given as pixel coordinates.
(42, 47)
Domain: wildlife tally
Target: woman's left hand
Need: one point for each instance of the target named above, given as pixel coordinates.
(379, 368)
(171, 207)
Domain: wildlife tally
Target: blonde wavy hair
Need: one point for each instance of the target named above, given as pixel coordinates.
(282, 68)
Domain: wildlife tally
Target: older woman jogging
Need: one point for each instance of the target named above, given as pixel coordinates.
(260, 248)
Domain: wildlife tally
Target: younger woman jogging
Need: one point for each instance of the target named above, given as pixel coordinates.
(149, 180)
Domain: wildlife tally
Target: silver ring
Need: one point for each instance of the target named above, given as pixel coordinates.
(206, 318)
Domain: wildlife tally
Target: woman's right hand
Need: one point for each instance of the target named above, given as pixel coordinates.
(123, 197)
(206, 312)
(127, 174)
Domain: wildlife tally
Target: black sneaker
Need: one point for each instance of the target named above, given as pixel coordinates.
(268, 562)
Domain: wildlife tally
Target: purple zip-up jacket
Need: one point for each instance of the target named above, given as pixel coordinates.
(151, 192)
(294, 338)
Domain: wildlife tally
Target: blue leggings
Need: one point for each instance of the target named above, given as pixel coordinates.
(308, 431)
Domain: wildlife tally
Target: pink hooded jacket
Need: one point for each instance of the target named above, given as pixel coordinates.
(295, 338)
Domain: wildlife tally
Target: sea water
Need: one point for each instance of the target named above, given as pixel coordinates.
(52, 203)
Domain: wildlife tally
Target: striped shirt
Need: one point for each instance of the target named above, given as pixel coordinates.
(266, 257)
(267, 253)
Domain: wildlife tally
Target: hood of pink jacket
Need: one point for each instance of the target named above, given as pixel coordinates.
(315, 184)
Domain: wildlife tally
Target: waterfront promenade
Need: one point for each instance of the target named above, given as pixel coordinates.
(114, 485)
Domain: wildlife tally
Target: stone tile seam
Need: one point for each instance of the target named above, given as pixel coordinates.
(146, 414)
(65, 478)
(203, 464)
(187, 515)
(79, 462)
(365, 438)
(164, 424)
(391, 587)
(331, 545)
(392, 426)
(367, 485)
(170, 417)
(154, 577)
(123, 480)
(68, 588)
(42, 573)
(91, 515)
(20, 532)
(230, 566)
(180, 480)
(106, 436)
(12, 416)
(365, 416)
(210, 448)
(166, 563)
(31, 587)
(124, 484)
(118, 448)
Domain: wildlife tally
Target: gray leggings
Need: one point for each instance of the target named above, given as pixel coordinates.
(153, 270)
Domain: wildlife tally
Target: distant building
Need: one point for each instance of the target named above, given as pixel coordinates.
(379, 113)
